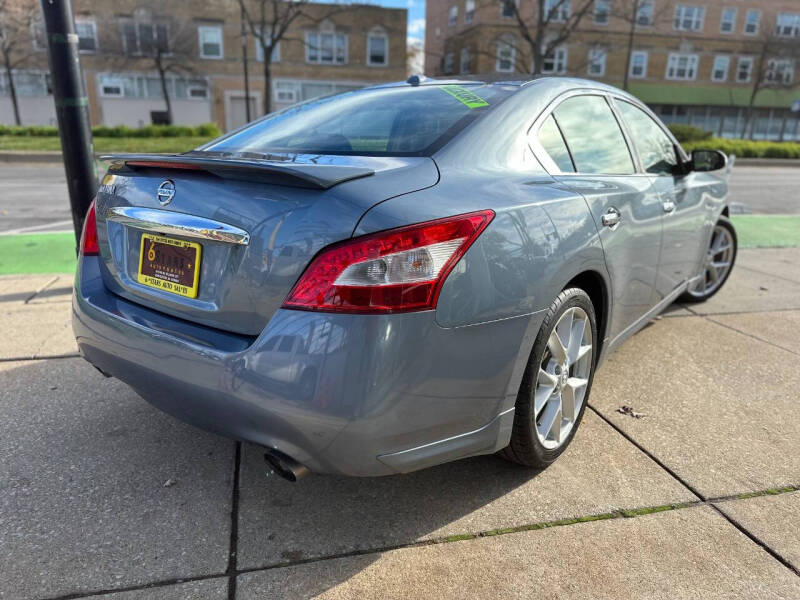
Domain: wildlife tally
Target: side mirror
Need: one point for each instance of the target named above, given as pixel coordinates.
(708, 160)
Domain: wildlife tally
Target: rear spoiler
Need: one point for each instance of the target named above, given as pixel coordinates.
(305, 175)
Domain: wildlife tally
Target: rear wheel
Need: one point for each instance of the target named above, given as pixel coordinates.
(556, 384)
(717, 263)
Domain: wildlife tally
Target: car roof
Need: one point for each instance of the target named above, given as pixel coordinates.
(539, 80)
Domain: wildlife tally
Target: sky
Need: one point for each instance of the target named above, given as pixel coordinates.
(416, 17)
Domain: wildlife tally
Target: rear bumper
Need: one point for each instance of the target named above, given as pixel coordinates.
(349, 394)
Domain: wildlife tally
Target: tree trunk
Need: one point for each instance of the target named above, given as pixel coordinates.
(631, 34)
(12, 90)
(163, 76)
(267, 80)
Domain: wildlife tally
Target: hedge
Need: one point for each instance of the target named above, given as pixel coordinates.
(747, 148)
(688, 133)
(150, 131)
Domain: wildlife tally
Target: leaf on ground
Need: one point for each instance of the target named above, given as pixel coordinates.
(628, 410)
(170, 482)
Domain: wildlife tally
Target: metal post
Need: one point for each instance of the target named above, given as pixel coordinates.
(72, 108)
(244, 65)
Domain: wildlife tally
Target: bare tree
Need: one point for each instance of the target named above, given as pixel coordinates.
(773, 68)
(17, 21)
(167, 43)
(549, 26)
(269, 22)
(636, 13)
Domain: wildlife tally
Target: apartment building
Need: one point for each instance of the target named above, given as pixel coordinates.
(330, 48)
(693, 61)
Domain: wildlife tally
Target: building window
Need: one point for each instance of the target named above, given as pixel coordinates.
(788, 25)
(286, 92)
(682, 67)
(452, 16)
(87, 34)
(719, 72)
(597, 62)
(744, 69)
(602, 8)
(197, 93)
(506, 57)
(689, 17)
(752, 22)
(464, 60)
(645, 13)
(727, 23)
(449, 63)
(780, 71)
(556, 63)
(556, 11)
(638, 68)
(326, 47)
(112, 88)
(438, 32)
(142, 86)
(508, 8)
(276, 52)
(469, 11)
(141, 36)
(210, 37)
(377, 48)
(26, 83)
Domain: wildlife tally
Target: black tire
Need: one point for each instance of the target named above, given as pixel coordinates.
(687, 297)
(525, 447)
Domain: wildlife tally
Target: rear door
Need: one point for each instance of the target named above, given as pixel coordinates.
(683, 214)
(588, 152)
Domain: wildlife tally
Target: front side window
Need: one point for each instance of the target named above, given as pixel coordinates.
(727, 23)
(656, 150)
(638, 68)
(682, 67)
(752, 22)
(405, 121)
(744, 69)
(210, 37)
(597, 62)
(719, 72)
(506, 57)
(377, 49)
(689, 17)
(593, 136)
(553, 143)
(602, 8)
(87, 35)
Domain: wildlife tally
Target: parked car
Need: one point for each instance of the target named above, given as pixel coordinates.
(392, 278)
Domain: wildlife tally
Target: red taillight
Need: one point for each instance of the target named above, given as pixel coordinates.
(89, 246)
(399, 270)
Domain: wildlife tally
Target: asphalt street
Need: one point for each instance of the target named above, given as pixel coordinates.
(34, 197)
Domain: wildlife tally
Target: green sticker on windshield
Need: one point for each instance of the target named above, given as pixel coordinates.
(466, 97)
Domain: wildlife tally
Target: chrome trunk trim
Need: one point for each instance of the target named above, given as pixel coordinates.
(173, 223)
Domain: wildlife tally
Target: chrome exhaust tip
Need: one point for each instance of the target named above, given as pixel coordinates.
(284, 466)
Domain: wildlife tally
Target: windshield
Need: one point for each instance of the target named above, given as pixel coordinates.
(404, 121)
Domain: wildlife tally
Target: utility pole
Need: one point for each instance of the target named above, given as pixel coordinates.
(72, 108)
(244, 65)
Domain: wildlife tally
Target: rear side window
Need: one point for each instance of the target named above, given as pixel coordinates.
(656, 150)
(396, 121)
(553, 143)
(593, 136)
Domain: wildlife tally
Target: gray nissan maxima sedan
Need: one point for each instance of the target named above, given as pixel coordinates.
(391, 278)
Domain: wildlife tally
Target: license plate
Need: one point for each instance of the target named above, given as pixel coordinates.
(169, 264)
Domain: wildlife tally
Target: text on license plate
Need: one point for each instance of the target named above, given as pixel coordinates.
(169, 264)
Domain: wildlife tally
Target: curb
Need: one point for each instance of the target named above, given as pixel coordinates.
(766, 162)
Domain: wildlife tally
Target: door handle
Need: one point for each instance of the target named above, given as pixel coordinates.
(611, 218)
(669, 206)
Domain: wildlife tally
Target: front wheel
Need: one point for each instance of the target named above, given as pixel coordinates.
(717, 263)
(556, 384)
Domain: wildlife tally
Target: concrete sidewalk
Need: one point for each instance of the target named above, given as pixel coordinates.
(102, 494)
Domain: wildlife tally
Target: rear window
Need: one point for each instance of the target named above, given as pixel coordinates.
(407, 121)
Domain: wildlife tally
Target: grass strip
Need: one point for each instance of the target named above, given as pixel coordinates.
(104, 144)
(767, 231)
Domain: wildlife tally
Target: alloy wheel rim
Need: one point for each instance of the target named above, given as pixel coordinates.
(563, 378)
(716, 264)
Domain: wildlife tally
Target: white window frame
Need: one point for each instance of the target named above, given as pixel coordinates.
(317, 48)
(259, 51)
(464, 57)
(597, 56)
(793, 25)
(692, 63)
(606, 12)
(502, 45)
(189, 96)
(469, 11)
(452, 16)
(101, 85)
(449, 63)
(648, 9)
(728, 11)
(292, 86)
(560, 60)
(698, 15)
(634, 54)
(772, 63)
(753, 14)
(378, 32)
(726, 69)
(748, 60)
(93, 24)
(216, 29)
(562, 13)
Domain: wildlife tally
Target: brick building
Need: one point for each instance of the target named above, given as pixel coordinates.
(692, 61)
(330, 48)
